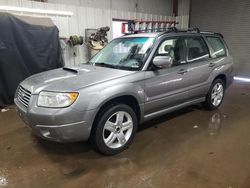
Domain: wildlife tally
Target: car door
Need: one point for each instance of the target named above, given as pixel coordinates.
(167, 87)
(200, 66)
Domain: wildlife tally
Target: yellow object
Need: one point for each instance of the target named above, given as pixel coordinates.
(73, 96)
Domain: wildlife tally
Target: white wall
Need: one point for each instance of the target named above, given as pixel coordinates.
(163, 7)
(87, 17)
(183, 12)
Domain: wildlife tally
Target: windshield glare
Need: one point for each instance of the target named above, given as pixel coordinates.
(124, 53)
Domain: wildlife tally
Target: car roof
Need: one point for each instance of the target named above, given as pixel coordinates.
(172, 31)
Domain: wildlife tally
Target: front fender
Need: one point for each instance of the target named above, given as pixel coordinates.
(115, 91)
(94, 97)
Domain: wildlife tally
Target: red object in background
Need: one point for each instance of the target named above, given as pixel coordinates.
(123, 28)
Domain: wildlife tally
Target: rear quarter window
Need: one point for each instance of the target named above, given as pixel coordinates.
(219, 49)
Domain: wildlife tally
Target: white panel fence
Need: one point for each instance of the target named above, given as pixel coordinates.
(86, 17)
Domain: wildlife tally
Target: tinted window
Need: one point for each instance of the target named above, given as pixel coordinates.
(217, 45)
(196, 48)
(175, 48)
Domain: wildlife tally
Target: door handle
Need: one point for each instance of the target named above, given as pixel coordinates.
(211, 65)
(182, 71)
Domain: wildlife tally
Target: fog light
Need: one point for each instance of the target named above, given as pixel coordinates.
(46, 133)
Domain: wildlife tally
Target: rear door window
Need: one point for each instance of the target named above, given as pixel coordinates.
(196, 48)
(217, 46)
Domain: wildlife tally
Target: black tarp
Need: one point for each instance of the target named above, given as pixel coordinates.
(28, 45)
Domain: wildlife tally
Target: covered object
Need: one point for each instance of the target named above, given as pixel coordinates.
(28, 45)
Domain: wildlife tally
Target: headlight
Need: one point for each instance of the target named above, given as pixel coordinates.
(56, 100)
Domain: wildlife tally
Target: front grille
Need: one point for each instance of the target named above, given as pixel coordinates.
(23, 96)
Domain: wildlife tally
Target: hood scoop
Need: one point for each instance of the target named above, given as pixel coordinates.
(75, 70)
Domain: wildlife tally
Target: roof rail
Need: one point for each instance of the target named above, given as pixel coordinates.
(213, 33)
(175, 30)
(220, 35)
(195, 29)
(171, 29)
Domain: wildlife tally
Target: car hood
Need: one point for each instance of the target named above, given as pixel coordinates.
(70, 79)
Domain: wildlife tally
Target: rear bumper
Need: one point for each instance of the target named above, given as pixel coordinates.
(60, 125)
(230, 80)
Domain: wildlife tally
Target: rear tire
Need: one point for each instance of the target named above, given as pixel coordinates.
(215, 95)
(114, 129)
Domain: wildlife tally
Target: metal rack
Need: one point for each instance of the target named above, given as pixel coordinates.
(139, 26)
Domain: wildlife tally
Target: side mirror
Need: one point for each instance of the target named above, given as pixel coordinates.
(163, 61)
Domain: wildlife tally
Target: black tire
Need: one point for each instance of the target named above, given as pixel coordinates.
(97, 134)
(208, 104)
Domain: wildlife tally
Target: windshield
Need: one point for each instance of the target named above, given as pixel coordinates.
(124, 53)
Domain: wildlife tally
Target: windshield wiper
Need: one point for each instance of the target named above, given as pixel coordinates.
(114, 66)
(104, 65)
(70, 69)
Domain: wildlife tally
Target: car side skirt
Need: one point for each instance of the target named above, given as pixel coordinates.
(173, 108)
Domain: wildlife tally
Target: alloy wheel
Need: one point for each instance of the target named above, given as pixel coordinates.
(118, 129)
(217, 94)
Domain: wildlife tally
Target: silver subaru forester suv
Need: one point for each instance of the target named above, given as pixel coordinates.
(133, 79)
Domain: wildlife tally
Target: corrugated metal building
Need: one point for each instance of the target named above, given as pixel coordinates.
(231, 19)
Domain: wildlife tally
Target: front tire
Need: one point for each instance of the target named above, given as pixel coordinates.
(114, 129)
(215, 95)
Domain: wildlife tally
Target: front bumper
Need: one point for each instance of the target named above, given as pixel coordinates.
(61, 125)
